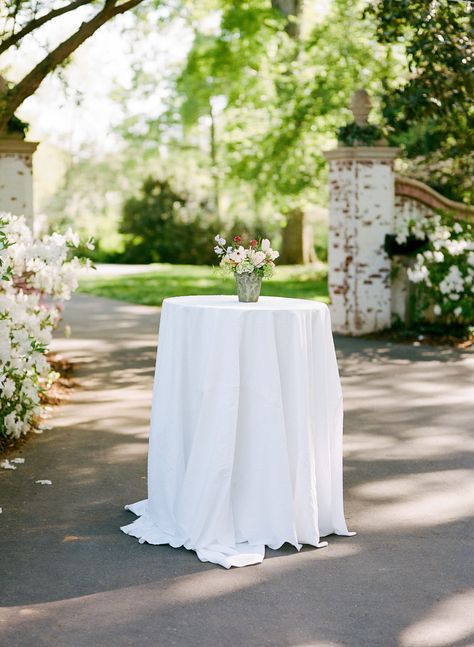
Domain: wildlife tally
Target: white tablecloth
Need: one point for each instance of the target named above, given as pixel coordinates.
(246, 429)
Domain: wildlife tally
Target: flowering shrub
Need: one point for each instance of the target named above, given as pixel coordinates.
(258, 257)
(444, 271)
(35, 276)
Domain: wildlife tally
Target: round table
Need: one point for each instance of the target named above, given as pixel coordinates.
(245, 445)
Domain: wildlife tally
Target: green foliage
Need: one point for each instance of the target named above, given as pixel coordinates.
(354, 135)
(257, 106)
(16, 126)
(430, 110)
(164, 225)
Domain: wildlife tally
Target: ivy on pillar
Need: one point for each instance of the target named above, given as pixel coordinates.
(361, 191)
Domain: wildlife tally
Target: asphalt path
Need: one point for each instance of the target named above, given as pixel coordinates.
(70, 578)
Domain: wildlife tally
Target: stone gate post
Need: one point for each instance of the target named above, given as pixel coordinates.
(361, 206)
(16, 176)
(16, 171)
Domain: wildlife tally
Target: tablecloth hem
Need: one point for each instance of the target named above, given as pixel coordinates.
(242, 554)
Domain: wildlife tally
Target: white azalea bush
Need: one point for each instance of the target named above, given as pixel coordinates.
(258, 257)
(443, 271)
(36, 276)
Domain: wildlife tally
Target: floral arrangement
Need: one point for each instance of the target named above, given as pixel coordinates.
(36, 275)
(444, 271)
(257, 258)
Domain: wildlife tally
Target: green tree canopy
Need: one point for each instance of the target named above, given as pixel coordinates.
(430, 109)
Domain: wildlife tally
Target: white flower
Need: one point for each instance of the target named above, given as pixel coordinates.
(457, 229)
(27, 317)
(265, 245)
(438, 257)
(458, 311)
(418, 274)
(219, 240)
(455, 247)
(453, 281)
(238, 255)
(437, 310)
(8, 388)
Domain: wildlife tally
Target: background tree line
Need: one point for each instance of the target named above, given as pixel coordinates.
(260, 94)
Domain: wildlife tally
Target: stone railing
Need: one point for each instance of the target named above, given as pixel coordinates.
(408, 190)
(414, 200)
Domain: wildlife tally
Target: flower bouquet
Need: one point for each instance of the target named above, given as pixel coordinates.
(249, 264)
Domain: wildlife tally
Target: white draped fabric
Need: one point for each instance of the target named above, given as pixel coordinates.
(246, 430)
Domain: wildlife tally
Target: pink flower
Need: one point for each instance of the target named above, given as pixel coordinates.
(258, 258)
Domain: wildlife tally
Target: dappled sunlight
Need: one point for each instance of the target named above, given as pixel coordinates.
(407, 494)
(422, 442)
(111, 608)
(128, 451)
(446, 624)
(417, 500)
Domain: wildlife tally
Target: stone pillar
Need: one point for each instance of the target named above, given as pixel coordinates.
(16, 176)
(361, 209)
(361, 187)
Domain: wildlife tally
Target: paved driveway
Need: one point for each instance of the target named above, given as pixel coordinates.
(69, 577)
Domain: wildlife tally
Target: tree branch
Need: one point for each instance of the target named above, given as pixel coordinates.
(30, 83)
(15, 38)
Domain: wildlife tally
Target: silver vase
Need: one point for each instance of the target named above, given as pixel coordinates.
(248, 287)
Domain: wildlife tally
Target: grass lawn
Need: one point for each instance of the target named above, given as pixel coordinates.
(163, 280)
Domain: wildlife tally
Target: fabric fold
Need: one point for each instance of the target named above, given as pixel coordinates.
(246, 430)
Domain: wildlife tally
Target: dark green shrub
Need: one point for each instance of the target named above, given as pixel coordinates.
(167, 226)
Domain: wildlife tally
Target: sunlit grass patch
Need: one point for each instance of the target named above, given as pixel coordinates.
(163, 280)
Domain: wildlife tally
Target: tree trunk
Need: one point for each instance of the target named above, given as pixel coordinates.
(297, 236)
(291, 10)
(214, 167)
(297, 240)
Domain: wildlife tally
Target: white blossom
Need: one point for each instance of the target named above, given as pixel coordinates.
(452, 282)
(41, 273)
(418, 274)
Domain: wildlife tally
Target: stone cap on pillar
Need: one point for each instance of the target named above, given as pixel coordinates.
(9, 144)
(361, 106)
(362, 153)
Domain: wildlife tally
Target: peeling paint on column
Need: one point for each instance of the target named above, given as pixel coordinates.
(16, 176)
(361, 214)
